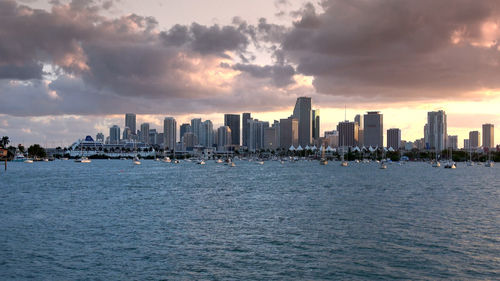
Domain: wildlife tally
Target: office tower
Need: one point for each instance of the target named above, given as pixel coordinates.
(127, 133)
(99, 137)
(373, 129)
(189, 140)
(466, 144)
(224, 138)
(348, 133)
(474, 139)
(289, 132)
(453, 142)
(271, 138)
(196, 128)
(256, 134)
(114, 135)
(153, 137)
(437, 132)
(488, 136)
(160, 139)
(332, 138)
(245, 118)
(426, 137)
(206, 134)
(233, 122)
(145, 132)
(315, 124)
(130, 122)
(394, 138)
(169, 133)
(420, 144)
(361, 136)
(184, 129)
(302, 112)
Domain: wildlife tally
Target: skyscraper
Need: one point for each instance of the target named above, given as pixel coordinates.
(130, 122)
(289, 132)
(185, 128)
(315, 124)
(256, 134)
(206, 134)
(271, 137)
(153, 136)
(436, 130)
(233, 122)
(453, 142)
(488, 136)
(127, 133)
(145, 132)
(361, 136)
(224, 138)
(169, 133)
(196, 128)
(394, 138)
(99, 137)
(302, 112)
(474, 139)
(114, 135)
(373, 129)
(348, 133)
(246, 117)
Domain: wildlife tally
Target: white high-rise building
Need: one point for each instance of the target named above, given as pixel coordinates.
(206, 137)
(145, 132)
(196, 129)
(114, 135)
(169, 133)
(436, 130)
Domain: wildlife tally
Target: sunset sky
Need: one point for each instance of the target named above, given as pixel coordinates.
(74, 68)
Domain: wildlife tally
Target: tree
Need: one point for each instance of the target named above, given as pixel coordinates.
(4, 142)
(36, 150)
(21, 148)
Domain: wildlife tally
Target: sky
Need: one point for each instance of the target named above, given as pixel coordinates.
(74, 68)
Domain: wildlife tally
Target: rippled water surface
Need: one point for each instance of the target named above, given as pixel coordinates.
(111, 220)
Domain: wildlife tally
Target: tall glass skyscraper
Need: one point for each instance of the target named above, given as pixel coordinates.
(373, 129)
(169, 133)
(302, 112)
(233, 122)
(436, 130)
(315, 124)
(130, 122)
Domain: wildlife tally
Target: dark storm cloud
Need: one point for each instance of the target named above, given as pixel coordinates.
(21, 72)
(280, 75)
(206, 39)
(397, 49)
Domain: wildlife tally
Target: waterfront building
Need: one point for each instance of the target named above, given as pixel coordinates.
(184, 129)
(276, 125)
(302, 112)
(373, 129)
(145, 133)
(361, 136)
(153, 137)
(206, 137)
(466, 144)
(348, 133)
(245, 117)
(289, 132)
(394, 138)
(100, 137)
(315, 124)
(436, 130)
(256, 134)
(169, 133)
(474, 139)
(196, 128)
(189, 140)
(130, 119)
(332, 138)
(453, 142)
(127, 133)
(114, 135)
(224, 138)
(233, 122)
(271, 138)
(488, 136)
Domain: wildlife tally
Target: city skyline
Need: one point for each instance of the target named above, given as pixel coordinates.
(78, 68)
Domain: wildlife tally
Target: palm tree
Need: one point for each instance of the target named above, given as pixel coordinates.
(5, 141)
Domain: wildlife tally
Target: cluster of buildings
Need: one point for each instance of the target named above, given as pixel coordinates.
(300, 129)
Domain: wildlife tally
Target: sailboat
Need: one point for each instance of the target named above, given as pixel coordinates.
(136, 159)
(450, 164)
(82, 159)
(489, 163)
(323, 160)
